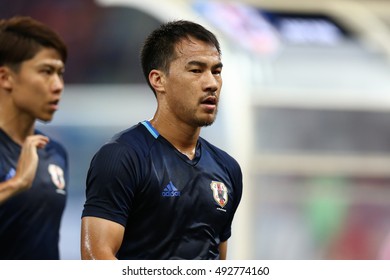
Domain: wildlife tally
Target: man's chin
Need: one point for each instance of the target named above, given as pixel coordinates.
(205, 120)
(45, 119)
(204, 123)
(208, 123)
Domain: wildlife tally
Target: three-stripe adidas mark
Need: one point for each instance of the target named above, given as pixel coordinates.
(170, 190)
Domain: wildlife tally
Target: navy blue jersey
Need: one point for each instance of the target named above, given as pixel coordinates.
(171, 207)
(30, 220)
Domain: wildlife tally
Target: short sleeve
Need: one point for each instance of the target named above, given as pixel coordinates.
(111, 183)
(236, 179)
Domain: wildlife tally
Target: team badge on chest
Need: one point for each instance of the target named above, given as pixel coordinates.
(220, 192)
(57, 176)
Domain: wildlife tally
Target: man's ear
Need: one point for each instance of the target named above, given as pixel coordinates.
(157, 80)
(5, 78)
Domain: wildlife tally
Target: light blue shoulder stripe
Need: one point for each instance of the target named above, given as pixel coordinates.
(151, 129)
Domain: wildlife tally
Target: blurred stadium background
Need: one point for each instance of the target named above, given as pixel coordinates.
(305, 110)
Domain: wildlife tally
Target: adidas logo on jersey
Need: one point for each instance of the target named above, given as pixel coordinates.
(11, 173)
(170, 190)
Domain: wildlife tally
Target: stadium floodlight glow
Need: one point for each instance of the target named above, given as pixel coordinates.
(163, 12)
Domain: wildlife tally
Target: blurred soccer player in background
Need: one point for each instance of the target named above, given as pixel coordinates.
(158, 190)
(33, 168)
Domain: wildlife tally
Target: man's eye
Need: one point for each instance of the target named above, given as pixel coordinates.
(195, 70)
(47, 71)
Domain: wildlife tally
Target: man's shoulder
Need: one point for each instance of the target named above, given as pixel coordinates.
(218, 152)
(134, 139)
(133, 136)
(4, 139)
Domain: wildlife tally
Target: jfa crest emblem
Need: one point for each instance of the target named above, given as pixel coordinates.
(57, 176)
(220, 192)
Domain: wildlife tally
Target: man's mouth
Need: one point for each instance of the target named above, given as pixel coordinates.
(211, 100)
(210, 104)
(54, 104)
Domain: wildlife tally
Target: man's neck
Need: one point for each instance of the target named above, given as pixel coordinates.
(15, 125)
(182, 136)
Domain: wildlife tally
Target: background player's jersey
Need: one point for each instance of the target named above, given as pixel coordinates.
(171, 207)
(30, 220)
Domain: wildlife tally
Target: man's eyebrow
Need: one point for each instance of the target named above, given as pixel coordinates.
(58, 68)
(53, 64)
(203, 64)
(196, 63)
(218, 65)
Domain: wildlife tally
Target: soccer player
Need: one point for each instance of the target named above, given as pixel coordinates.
(158, 190)
(33, 169)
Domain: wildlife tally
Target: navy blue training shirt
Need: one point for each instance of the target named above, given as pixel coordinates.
(171, 207)
(30, 220)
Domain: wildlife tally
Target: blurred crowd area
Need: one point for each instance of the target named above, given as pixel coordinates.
(99, 53)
